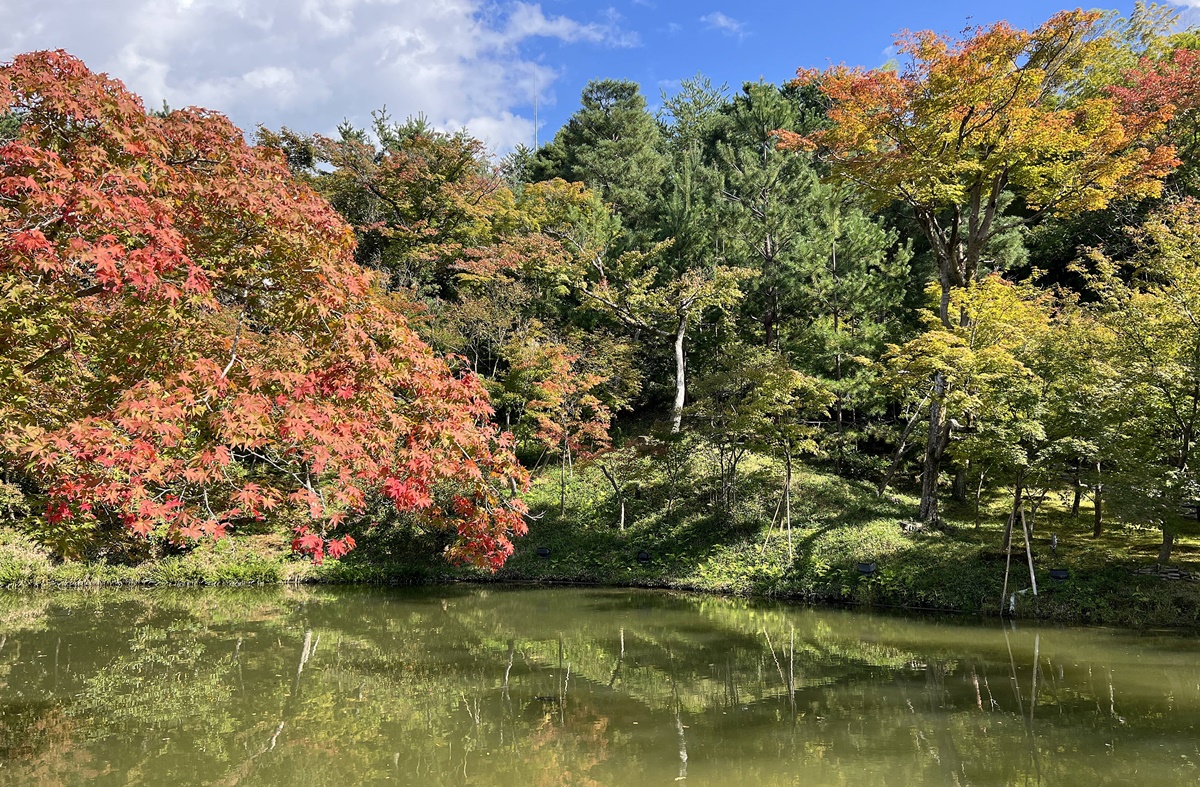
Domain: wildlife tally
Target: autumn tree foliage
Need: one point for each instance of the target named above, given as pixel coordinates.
(966, 123)
(1167, 86)
(186, 342)
(419, 200)
(996, 111)
(568, 416)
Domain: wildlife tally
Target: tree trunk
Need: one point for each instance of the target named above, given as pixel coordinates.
(1078, 493)
(841, 434)
(1034, 504)
(900, 448)
(1018, 500)
(933, 446)
(1164, 554)
(680, 382)
(770, 319)
(960, 483)
(837, 361)
(1028, 552)
(562, 485)
(978, 495)
(730, 484)
(1007, 559)
(619, 492)
(1098, 499)
(787, 502)
(944, 300)
(933, 455)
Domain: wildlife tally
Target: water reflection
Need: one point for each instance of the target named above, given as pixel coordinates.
(466, 685)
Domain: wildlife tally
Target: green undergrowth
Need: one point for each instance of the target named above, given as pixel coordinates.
(232, 561)
(695, 542)
(235, 561)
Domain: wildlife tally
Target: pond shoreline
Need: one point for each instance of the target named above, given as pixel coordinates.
(957, 568)
(211, 569)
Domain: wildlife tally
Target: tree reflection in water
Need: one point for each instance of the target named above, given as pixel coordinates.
(469, 685)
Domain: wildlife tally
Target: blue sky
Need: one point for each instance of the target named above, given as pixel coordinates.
(308, 64)
(740, 42)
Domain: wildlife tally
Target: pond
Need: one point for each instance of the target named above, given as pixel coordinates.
(489, 685)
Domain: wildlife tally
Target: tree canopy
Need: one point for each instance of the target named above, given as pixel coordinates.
(985, 250)
(188, 344)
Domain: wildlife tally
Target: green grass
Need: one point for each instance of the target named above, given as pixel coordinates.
(696, 544)
(837, 524)
(232, 562)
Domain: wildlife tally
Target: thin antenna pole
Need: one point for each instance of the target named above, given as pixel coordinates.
(535, 136)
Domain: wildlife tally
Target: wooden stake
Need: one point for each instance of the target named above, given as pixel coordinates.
(1007, 563)
(1028, 552)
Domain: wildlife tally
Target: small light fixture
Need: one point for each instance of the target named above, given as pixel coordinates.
(543, 552)
(867, 569)
(1060, 574)
(643, 557)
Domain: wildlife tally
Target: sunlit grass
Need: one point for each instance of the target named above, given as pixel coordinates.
(694, 542)
(838, 523)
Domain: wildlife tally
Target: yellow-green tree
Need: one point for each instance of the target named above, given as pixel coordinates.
(966, 121)
(992, 390)
(1152, 307)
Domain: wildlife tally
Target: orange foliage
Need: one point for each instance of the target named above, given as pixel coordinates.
(567, 413)
(1000, 107)
(186, 342)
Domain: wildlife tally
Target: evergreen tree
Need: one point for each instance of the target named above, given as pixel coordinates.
(851, 278)
(829, 280)
(613, 145)
(766, 202)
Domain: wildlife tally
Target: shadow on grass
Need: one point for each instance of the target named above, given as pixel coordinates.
(693, 543)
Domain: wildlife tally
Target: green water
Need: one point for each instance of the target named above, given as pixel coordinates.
(521, 686)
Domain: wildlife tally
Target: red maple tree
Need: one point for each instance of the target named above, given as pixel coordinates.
(1165, 89)
(186, 342)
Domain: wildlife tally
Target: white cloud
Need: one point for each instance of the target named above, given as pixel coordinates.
(1189, 16)
(725, 24)
(526, 21)
(309, 63)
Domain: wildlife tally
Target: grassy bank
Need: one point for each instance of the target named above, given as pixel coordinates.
(695, 543)
(836, 525)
